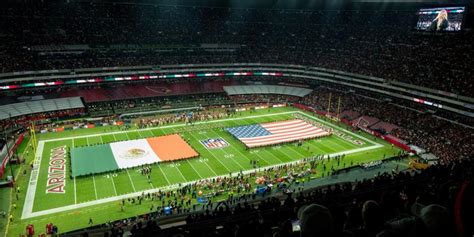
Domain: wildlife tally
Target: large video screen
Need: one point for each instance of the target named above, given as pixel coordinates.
(440, 19)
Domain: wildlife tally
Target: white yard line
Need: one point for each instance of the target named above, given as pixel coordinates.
(75, 193)
(174, 164)
(113, 184)
(164, 175)
(95, 188)
(190, 164)
(210, 168)
(131, 181)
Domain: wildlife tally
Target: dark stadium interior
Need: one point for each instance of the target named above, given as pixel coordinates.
(422, 94)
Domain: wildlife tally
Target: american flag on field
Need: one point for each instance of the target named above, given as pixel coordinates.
(274, 133)
(212, 143)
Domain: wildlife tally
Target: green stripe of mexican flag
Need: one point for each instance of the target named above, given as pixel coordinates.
(94, 159)
(113, 156)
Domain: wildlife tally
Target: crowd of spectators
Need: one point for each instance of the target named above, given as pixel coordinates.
(375, 43)
(433, 202)
(417, 125)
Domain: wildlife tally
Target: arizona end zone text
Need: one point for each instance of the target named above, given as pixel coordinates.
(57, 171)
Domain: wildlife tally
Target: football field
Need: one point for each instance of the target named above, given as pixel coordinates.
(53, 195)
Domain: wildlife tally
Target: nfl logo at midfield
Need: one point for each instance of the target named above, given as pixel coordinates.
(213, 143)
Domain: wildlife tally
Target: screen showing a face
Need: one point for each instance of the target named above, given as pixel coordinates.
(440, 19)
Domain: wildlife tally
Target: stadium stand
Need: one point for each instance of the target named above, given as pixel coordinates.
(346, 50)
(268, 36)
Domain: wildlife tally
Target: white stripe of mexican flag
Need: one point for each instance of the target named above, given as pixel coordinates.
(133, 153)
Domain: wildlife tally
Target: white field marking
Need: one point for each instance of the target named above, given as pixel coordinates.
(101, 140)
(75, 194)
(95, 189)
(168, 126)
(190, 164)
(87, 140)
(213, 171)
(30, 192)
(115, 139)
(152, 134)
(113, 184)
(175, 166)
(164, 175)
(169, 187)
(131, 181)
(211, 154)
(139, 134)
(126, 134)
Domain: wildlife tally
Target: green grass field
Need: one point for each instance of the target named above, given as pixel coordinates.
(98, 196)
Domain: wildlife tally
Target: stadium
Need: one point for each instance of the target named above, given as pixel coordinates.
(236, 118)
